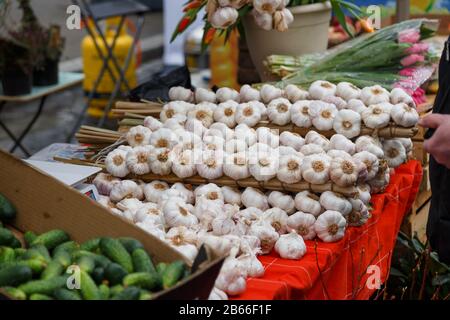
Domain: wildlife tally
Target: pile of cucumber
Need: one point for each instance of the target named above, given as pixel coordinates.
(52, 267)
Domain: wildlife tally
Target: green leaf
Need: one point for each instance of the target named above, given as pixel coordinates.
(340, 16)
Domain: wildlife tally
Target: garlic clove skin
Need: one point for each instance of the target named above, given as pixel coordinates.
(154, 190)
(311, 149)
(236, 166)
(183, 164)
(278, 111)
(252, 265)
(347, 123)
(232, 277)
(336, 202)
(347, 91)
(380, 182)
(246, 133)
(322, 115)
(227, 94)
(398, 95)
(330, 226)
(303, 224)
(407, 144)
(211, 191)
(235, 146)
(359, 215)
(320, 89)
(334, 153)
(283, 201)
(195, 126)
(300, 114)
(364, 193)
(394, 152)
(356, 105)
(268, 93)
(211, 164)
(226, 113)
(163, 138)
(340, 142)
(171, 109)
(316, 169)
(186, 190)
(104, 183)
(150, 211)
(231, 195)
(282, 19)
(204, 95)
(248, 94)
(252, 197)
(213, 143)
(181, 94)
(152, 123)
(376, 116)
(222, 18)
(370, 161)
(160, 161)
(290, 170)
(308, 202)
(374, 95)
(288, 151)
(177, 213)
(294, 93)
(221, 130)
(290, 246)
(404, 115)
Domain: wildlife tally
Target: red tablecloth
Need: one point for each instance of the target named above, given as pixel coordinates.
(343, 264)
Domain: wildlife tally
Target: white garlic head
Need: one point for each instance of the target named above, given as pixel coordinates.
(248, 94)
(236, 166)
(226, 113)
(308, 202)
(322, 115)
(268, 93)
(138, 136)
(264, 166)
(290, 246)
(154, 190)
(370, 161)
(293, 93)
(282, 19)
(231, 195)
(116, 164)
(183, 164)
(337, 101)
(125, 189)
(263, 20)
(293, 140)
(267, 136)
(181, 94)
(210, 191)
(320, 89)
(252, 197)
(356, 105)
(104, 183)
(204, 95)
(281, 200)
(404, 115)
(374, 94)
(376, 116)
(290, 169)
(367, 143)
(203, 112)
(248, 113)
(163, 138)
(222, 18)
(336, 202)
(394, 152)
(152, 123)
(186, 192)
(364, 192)
(330, 226)
(316, 169)
(340, 142)
(310, 149)
(178, 213)
(343, 172)
(278, 111)
(398, 95)
(236, 145)
(303, 224)
(244, 132)
(211, 164)
(347, 123)
(347, 91)
(226, 94)
(195, 126)
(266, 235)
(172, 109)
(161, 161)
(300, 114)
(138, 159)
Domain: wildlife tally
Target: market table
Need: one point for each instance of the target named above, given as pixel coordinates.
(66, 80)
(339, 270)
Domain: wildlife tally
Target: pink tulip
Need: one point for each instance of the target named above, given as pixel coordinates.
(409, 36)
(418, 48)
(412, 59)
(407, 72)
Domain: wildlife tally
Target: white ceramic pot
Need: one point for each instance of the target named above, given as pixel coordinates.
(307, 34)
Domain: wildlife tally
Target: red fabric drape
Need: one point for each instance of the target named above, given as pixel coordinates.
(343, 264)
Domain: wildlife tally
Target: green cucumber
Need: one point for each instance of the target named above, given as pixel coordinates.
(7, 254)
(19, 252)
(160, 267)
(52, 239)
(115, 290)
(43, 251)
(34, 253)
(98, 275)
(53, 269)
(6, 237)
(36, 265)
(14, 275)
(100, 261)
(145, 295)
(173, 273)
(130, 244)
(15, 243)
(40, 297)
(86, 264)
(142, 280)
(130, 293)
(14, 293)
(89, 290)
(7, 210)
(63, 257)
(142, 261)
(91, 245)
(115, 273)
(104, 291)
(69, 246)
(29, 237)
(66, 294)
(46, 287)
(115, 251)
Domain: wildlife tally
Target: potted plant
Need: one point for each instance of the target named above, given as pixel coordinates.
(19, 52)
(46, 73)
(292, 27)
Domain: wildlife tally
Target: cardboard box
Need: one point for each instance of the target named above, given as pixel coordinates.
(44, 203)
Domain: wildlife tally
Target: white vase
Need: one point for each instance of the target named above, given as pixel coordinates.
(307, 34)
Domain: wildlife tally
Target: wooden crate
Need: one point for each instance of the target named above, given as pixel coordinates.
(420, 154)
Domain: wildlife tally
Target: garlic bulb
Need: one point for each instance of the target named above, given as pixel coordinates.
(178, 213)
(336, 202)
(290, 169)
(252, 197)
(206, 211)
(359, 215)
(163, 138)
(249, 216)
(226, 113)
(322, 115)
(244, 132)
(373, 95)
(124, 148)
(195, 126)
(356, 105)
(223, 224)
(268, 93)
(292, 140)
(104, 183)
(235, 146)
(232, 276)
(370, 161)
(338, 102)
(181, 94)
(149, 211)
(320, 89)
(267, 136)
(236, 166)
(288, 151)
(125, 189)
(294, 93)
(154, 190)
(106, 202)
(308, 202)
(398, 95)
(266, 235)
(187, 141)
(221, 246)
(186, 191)
(149, 227)
(248, 94)
(210, 191)
(252, 265)
(217, 295)
(231, 195)
(283, 201)
(222, 18)
(404, 115)
(407, 143)
(394, 152)
(183, 164)
(226, 94)
(376, 116)
(303, 224)
(343, 172)
(282, 19)
(129, 204)
(161, 161)
(300, 114)
(364, 193)
(176, 123)
(347, 91)
(278, 111)
(316, 169)
(211, 164)
(380, 182)
(347, 123)
(138, 136)
(264, 167)
(220, 130)
(266, 6)
(203, 112)
(248, 113)
(290, 246)
(152, 123)
(340, 142)
(263, 20)
(367, 143)
(171, 109)
(334, 153)
(213, 143)
(310, 149)
(138, 160)
(330, 226)
(204, 95)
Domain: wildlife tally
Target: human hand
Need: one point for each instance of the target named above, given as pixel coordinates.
(439, 144)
